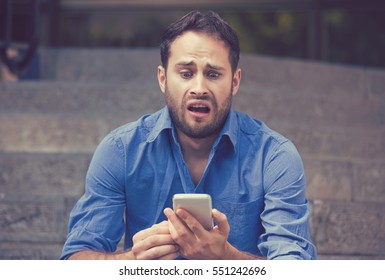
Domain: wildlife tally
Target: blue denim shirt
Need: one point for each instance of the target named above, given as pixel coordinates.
(254, 175)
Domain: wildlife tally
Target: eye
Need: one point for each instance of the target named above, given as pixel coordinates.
(213, 75)
(186, 74)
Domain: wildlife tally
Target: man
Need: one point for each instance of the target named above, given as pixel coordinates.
(197, 144)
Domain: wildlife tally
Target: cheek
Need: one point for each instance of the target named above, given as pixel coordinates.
(178, 86)
(174, 96)
(222, 91)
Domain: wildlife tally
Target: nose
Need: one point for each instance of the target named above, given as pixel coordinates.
(199, 86)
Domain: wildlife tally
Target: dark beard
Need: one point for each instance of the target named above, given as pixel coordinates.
(220, 117)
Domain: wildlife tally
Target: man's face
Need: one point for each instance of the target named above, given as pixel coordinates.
(198, 84)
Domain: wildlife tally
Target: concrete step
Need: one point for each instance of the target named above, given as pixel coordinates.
(66, 117)
(272, 88)
(49, 134)
(60, 174)
(311, 106)
(99, 64)
(37, 193)
(345, 228)
(139, 66)
(80, 134)
(107, 100)
(131, 100)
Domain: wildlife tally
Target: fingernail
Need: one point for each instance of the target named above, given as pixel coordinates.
(181, 213)
(166, 211)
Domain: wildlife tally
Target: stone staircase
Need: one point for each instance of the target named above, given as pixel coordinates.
(49, 129)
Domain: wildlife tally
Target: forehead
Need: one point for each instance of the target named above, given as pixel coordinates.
(199, 47)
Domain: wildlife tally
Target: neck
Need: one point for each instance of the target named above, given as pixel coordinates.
(195, 147)
(196, 154)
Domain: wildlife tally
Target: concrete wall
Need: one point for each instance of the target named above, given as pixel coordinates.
(49, 129)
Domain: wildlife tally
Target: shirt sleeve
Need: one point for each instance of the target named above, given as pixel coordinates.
(286, 214)
(97, 220)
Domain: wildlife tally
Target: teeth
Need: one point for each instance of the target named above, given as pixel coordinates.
(199, 108)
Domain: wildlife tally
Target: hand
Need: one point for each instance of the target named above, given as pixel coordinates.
(154, 243)
(194, 241)
(181, 235)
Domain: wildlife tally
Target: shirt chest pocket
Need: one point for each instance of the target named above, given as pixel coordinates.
(245, 223)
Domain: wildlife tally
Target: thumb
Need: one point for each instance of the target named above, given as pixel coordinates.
(221, 221)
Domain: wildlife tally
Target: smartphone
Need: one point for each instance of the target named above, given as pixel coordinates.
(198, 205)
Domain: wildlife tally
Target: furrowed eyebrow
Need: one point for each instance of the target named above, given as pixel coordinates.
(191, 63)
(185, 63)
(214, 67)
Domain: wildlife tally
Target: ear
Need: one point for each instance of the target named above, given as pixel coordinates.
(236, 80)
(162, 79)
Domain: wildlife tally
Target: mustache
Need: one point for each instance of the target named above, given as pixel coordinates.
(203, 97)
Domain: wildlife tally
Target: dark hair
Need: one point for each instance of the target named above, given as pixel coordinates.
(210, 23)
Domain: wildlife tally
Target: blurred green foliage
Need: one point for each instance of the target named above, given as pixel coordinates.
(356, 38)
(277, 34)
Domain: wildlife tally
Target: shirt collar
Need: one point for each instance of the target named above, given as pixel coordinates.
(164, 122)
(230, 129)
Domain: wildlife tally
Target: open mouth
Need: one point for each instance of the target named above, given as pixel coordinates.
(199, 108)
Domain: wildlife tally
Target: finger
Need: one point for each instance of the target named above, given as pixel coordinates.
(193, 224)
(172, 256)
(180, 231)
(153, 241)
(173, 231)
(221, 221)
(168, 212)
(159, 252)
(174, 219)
(161, 228)
(154, 246)
(161, 224)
